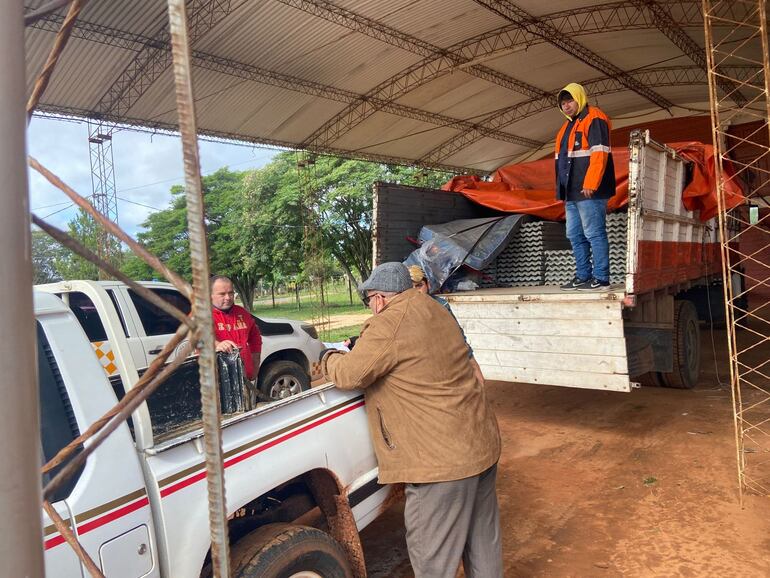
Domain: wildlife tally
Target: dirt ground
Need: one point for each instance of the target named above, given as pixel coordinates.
(640, 484)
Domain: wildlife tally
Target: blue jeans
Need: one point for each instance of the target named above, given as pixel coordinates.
(587, 231)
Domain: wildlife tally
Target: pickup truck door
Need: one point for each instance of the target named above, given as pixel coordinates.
(91, 306)
(106, 502)
(154, 326)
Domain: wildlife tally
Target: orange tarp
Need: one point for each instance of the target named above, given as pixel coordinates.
(529, 187)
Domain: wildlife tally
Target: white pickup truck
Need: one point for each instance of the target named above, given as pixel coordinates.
(290, 348)
(139, 505)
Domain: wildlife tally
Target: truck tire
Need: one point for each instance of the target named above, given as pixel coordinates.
(686, 348)
(282, 379)
(283, 551)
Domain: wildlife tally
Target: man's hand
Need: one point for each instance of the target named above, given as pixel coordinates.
(225, 346)
(588, 193)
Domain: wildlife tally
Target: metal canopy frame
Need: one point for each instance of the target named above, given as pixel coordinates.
(674, 24)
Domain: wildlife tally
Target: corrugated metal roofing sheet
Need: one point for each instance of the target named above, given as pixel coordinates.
(271, 71)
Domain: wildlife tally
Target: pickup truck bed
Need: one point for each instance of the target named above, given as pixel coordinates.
(139, 505)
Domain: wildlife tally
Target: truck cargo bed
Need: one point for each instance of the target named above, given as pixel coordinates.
(523, 328)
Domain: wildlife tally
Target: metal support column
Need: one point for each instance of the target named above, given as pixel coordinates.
(21, 548)
(103, 185)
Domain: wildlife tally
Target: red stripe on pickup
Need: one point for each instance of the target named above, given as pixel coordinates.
(127, 509)
(101, 521)
(259, 449)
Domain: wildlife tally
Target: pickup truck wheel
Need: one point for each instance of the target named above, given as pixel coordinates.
(283, 379)
(686, 348)
(286, 551)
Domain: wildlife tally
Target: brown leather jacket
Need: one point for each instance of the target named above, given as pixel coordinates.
(429, 418)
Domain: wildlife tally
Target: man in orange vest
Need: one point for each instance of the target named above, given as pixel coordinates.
(585, 181)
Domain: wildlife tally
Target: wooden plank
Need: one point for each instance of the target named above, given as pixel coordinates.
(613, 346)
(532, 294)
(539, 310)
(571, 328)
(575, 362)
(583, 380)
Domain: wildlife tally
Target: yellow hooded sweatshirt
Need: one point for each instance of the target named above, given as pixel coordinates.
(578, 94)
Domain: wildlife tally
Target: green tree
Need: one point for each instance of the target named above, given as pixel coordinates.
(46, 253)
(345, 206)
(272, 222)
(166, 234)
(71, 266)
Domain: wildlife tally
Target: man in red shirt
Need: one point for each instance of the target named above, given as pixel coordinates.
(234, 327)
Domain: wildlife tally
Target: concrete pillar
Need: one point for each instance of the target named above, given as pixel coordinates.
(21, 545)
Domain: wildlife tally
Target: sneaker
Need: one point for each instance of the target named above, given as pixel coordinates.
(573, 285)
(593, 285)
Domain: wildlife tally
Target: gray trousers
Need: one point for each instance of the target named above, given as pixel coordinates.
(447, 520)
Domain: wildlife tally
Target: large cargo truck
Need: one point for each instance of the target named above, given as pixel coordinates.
(666, 278)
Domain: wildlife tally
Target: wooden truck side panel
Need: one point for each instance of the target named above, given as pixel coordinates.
(573, 340)
(667, 244)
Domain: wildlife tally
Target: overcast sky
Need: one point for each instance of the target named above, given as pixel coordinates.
(146, 167)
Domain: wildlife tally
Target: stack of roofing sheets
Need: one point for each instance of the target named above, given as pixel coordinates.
(560, 264)
(540, 254)
(522, 262)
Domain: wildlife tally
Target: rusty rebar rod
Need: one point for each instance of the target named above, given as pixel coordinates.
(126, 410)
(76, 247)
(45, 10)
(71, 539)
(181, 285)
(215, 475)
(138, 390)
(53, 57)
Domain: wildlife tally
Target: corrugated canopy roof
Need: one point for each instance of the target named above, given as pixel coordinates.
(458, 84)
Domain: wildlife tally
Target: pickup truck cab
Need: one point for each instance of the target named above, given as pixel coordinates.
(139, 506)
(289, 348)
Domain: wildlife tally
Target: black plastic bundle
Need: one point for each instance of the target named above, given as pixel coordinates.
(236, 392)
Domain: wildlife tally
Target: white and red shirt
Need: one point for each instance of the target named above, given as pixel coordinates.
(238, 326)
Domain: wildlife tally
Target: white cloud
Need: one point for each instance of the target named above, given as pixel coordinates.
(146, 167)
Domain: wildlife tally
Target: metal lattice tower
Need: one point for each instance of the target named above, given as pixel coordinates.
(745, 230)
(104, 198)
(312, 242)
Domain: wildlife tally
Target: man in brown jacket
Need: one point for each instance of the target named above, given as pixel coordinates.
(431, 425)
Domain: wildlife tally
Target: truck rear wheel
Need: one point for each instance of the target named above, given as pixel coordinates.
(686, 348)
(286, 551)
(283, 379)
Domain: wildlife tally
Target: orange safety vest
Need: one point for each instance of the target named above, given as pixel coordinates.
(589, 155)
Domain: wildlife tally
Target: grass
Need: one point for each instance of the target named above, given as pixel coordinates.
(341, 333)
(338, 303)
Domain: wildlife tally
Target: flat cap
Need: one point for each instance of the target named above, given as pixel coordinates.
(392, 277)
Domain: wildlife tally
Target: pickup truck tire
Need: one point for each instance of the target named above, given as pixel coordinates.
(283, 551)
(283, 379)
(686, 348)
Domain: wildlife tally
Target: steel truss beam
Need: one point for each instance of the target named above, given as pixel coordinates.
(379, 31)
(150, 62)
(608, 17)
(570, 23)
(145, 45)
(551, 34)
(669, 76)
(665, 22)
(367, 105)
(263, 76)
(172, 129)
(154, 57)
